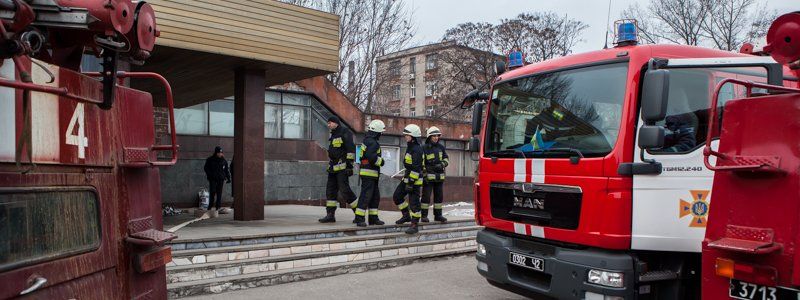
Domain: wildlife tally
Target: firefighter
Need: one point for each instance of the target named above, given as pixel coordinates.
(412, 180)
(436, 160)
(341, 153)
(369, 172)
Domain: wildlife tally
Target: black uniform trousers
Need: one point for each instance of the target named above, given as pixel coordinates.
(215, 191)
(413, 203)
(338, 185)
(435, 188)
(370, 197)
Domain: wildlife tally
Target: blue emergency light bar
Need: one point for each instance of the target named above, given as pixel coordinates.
(515, 59)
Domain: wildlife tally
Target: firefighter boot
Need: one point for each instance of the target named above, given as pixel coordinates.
(330, 217)
(413, 229)
(373, 220)
(437, 216)
(425, 216)
(359, 220)
(406, 217)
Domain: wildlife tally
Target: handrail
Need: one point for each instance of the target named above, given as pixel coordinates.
(173, 147)
(707, 151)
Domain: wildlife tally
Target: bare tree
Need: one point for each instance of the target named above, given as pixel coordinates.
(723, 24)
(367, 30)
(541, 35)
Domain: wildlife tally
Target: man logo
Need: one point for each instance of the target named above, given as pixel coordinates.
(525, 202)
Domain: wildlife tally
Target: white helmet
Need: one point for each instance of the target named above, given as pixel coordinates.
(376, 126)
(412, 130)
(433, 130)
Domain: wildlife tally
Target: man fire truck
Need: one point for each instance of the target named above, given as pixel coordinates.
(80, 209)
(750, 247)
(586, 188)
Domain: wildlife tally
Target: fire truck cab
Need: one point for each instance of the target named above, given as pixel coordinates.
(586, 189)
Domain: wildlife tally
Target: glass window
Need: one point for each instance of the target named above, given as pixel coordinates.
(91, 63)
(430, 89)
(296, 99)
(390, 155)
(220, 119)
(430, 61)
(544, 114)
(295, 122)
(192, 120)
(412, 112)
(413, 88)
(396, 92)
(412, 65)
(456, 167)
(394, 68)
(319, 129)
(45, 224)
(688, 104)
(272, 124)
(272, 97)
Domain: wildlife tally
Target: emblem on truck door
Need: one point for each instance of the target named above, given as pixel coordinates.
(697, 208)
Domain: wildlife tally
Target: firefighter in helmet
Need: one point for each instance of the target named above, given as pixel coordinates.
(341, 154)
(370, 171)
(412, 180)
(436, 160)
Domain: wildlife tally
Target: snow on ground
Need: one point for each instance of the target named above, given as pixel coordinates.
(458, 204)
(460, 212)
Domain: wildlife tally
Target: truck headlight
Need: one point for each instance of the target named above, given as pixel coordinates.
(606, 278)
(481, 250)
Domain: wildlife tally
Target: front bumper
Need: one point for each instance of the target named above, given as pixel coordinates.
(565, 269)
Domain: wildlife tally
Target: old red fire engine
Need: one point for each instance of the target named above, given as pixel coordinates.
(80, 202)
(750, 247)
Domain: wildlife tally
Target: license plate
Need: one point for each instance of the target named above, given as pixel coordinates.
(527, 261)
(751, 291)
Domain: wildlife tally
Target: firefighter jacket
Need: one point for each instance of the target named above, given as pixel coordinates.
(413, 162)
(436, 160)
(370, 153)
(341, 150)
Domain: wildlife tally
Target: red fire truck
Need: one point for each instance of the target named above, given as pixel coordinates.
(750, 247)
(591, 181)
(80, 212)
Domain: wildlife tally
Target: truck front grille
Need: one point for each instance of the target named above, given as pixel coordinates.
(537, 204)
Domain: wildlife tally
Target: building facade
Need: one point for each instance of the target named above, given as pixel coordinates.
(416, 82)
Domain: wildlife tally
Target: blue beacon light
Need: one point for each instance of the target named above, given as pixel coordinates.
(626, 33)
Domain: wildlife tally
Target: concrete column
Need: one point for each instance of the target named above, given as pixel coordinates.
(248, 177)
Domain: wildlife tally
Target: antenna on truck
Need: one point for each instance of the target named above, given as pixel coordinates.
(608, 20)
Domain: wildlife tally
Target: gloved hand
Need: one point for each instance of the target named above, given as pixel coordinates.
(438, 168)
(348, 172)
(409, 187)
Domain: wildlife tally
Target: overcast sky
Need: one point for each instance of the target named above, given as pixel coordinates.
(434, 17)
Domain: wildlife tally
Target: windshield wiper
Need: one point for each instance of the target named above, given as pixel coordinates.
(573, 159)
(506, 153)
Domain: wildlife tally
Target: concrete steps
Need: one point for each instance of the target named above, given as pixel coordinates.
(225, 268)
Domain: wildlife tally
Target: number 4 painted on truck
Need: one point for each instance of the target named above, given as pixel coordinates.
(80, 140)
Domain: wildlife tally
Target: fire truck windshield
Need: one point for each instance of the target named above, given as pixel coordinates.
(541, 115)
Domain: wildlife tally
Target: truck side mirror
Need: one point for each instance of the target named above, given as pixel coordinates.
(474, 144)
(477, 115)
(651, 137)
(655, 92)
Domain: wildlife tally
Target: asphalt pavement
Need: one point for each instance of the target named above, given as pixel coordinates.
(452, 278)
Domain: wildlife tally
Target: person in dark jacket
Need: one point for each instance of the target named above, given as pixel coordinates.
(412, 180)
(217, 173)
(436, 160)
(341, 154)
(369, 173)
